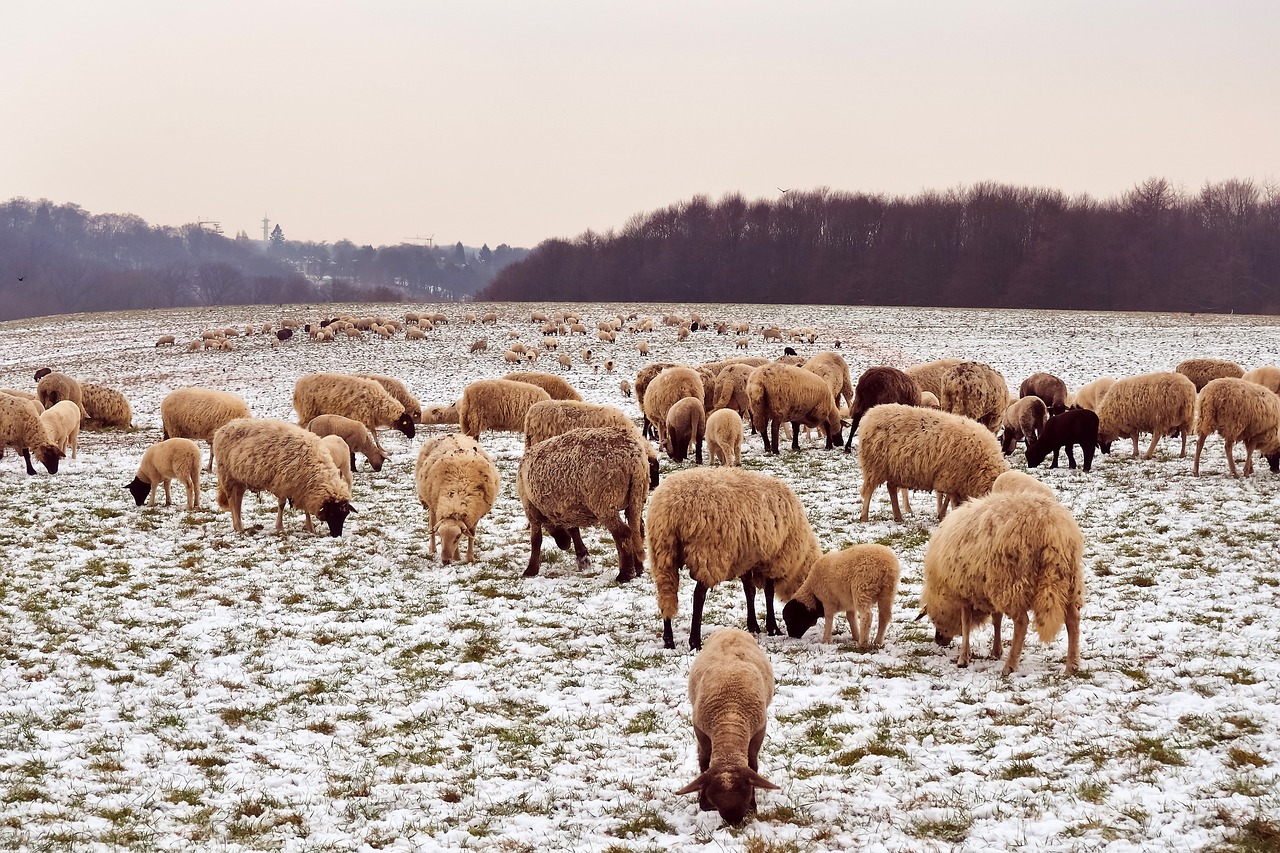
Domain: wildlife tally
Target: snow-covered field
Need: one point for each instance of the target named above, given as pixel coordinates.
(168, 684)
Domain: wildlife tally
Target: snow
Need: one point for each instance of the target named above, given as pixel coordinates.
(168, 684)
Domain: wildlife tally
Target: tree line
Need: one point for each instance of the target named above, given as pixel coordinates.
(1155, 248)
(58, 259)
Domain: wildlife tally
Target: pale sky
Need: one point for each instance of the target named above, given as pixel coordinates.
(515, 121)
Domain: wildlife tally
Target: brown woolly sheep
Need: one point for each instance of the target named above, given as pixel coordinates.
(780, 392)
(928, 376)
(164, 461)
(457, 484)
(354, 434)
(166, 340)
(1158, 403)
(1238, 410)
(726, 523)
(1202, 371)
(834, 370)
(55, 387)
(198, 413)
(1006, 554)
(62, 424)
(555, 386)
(625, 387)
(1049, 388)
(1024, 418)
(686, 422)
(497, 405)
(25, 396)
(1267, 376)
(916, 448)
(22, 429)
(878, 385)
(849, 582)
(730, 687)
(105, 407)
(283, 459)
(731, 389)
(440, 414)
(667, 387)
(397, 389)
(724, 437)
(1091, 394)
(643, 378)
(585, 478)
(975, 390)
(355, 397)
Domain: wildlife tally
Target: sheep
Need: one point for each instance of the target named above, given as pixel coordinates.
(1091, 394)
(742, 343)
(929, 400)
(166, 340)
(724, 437)
(198, 413)
(1049, 388)
(879, 385)
(62, 423)
(730, 687)
(55, 387)
(105, 407)
(661, 394)
(555, 386)
(779, 392)
(341, 454)
(1024, 418)
(164, 461)
(834, 370)
(643, 348)
(1013, 481)
(1074, 426)
(1202, 371)
(849, 582)
(354, 434)
(584, 478)
(686, 421)
(355, 397)
(440, 414)
(512, 357)
(646, 375)
(26, 396)
(975, 390)
(625, 387)
(22, 429)
(1007, 553)
(497, 405)
(556, 417)
(1268, 377)
(916, 448)
(284, 459)
(457, 484)
(1238, 410)
(928, 376)
(1158, 403)
(731, 389)
(726, 523)
(397, 389)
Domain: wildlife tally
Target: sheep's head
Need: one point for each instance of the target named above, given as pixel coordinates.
(729, 791)
(49, 456)
(653, 473)
(450, 532)
(404, 423)
(1036, 453)
(333, 512)
(835, 437)
(139, 490)
(800, 617)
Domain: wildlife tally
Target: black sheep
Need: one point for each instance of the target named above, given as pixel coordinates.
(879, 385)
(1074, 426)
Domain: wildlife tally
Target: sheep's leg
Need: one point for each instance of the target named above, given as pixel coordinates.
(695, 630)
(795, 435)
(151, 494)
(1071, 458)
(893, 501)
(964, 635)
(1019, 637)
(580, 550)
(168, 501)
(749, 593)
(535, 554)
(1248, 459)
(236, 499)
(26, 454)
(471, 547)
(942, 501)
(1071, 616)
(697, 449)
(1135, 445)
(1155, 439)
(882, 623)
(1056, 450)
(868, 489)
(764, 434)
(770, 621)
(997, 640)
(828, 622)
(864, 625)
(906, 500)
(1087, 450)
(1231, 458)
(622, 541)
(193, 491)
(1183, 454)
(851, 618)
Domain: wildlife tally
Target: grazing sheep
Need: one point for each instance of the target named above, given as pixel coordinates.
(742, 343)
(731, 389)
(1202, 371)
(643, 378)
(834, 370)
(440, 414)
(1237, 410)
(910, 447)
(105, 407)
(724, 437)
(556, 417)
(198, 413)
(1074, 426)
(663, 391)
(566, 360)
(22, 429)
(849, 582)
(780, 392)
(262, 455)
(1049, 388)
(1268, 377)
(1008, 553)
(1158, 403)
(62, 423)
(354, 434)
(975, 390)
(1019, 482)
(730, 687)
(164, 461)
(489, 405)
(878, 385)
(555, 386)
(625, 387)
(726, 523)
(397, 389)
(355, 397)
(511, 357)
(1024, 418)
(457, 484)
(928, 376)
(166, 340)
(1091, 394)
(585, 478)
(26, 396)
(55, 387)
(928, 400)
(341, 454)
(686, 422)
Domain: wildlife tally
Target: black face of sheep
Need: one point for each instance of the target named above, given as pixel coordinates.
(1273, 460)
(653, 473)
(43, 372)
(404, 423)
(730, 792)
(562, 538)
(48, 456)
(284, 334)
(139, 490)
(334, 513)
(800, 618)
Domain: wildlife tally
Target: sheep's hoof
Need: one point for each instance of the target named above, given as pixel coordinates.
(530, 572)
(584, 564)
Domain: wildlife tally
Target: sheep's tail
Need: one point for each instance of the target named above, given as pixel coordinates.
(664, 563)
(1056, 587)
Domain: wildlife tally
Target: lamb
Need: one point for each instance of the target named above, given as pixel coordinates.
(198, 413)
(834, 370)
(363, 400)
(779, 392)
(1202, 371)
(1025, 418)
(440, 414)
(686, 421)
(584, 478)
(878, 385)
(497, 405)
(284, 459)
(341, 454)
(354, 434)
(1008, 553)
(62, 423)
(726, 523)
(1238, 410)
(1074, 426)
(397, 389)
(1158, 403)
(457, 484)
(166, 340)
(22, 429)
(976, 391)
(1049, 388)
(555, 386)
(724, 437)
(916, 448)
(667, 387)
(625, 387)
(105, 407)
(847, 581)
(928, 376)
(173, 458)
(55, 387)
(1268, 377)
(730, 687)
(1091, 393)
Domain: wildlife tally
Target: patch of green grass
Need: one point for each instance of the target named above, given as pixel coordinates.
(1093, 791)
(1155, 749)
(648, 820)
(643, 723)
(953, 829)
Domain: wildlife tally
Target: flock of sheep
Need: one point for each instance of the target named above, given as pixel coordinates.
(1004, 544)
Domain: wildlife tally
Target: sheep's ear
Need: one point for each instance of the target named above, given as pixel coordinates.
(350, 508)
(696, 785)
(924, 611)
(760, 782)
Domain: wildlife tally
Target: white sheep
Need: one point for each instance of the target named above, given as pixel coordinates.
(397, 389)
(354, 435)
(724, 437)
(849, 582)
(363, 400)
(499, 405)
(171, 459)
(105, 407)
(198, 413)
(975, 390)
(457, 484)
(1267, 376)
(62, 423)
(1237, 410)
(22, 430)
(1091, 394)
(1158, 403)
(1014, 481)
(780, 392)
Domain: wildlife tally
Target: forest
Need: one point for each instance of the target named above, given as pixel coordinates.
(1155, 248)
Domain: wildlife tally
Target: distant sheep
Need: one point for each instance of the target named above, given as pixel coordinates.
(1158, 403)
(397, 389)
(1049, 388)
(22, 430)
(1237, 410)
(876, 386)
(779, 392)
(496, 405)
(1074, 426)
(354, 434)
(166, 340)
(355, 397)
(55, 387)
(726, 523)
(457, 484)
(555, 386)
(928, 376)
(625, 387)
(1202, 371)
(849, 582)
(171, 459)
(105, 407)
(686, 422)
(1268, 377)
(198, 413)
(62, 423)
(975, 390)
(724, 437)
(664, 390)
(1091, 393)
(1024, 418)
